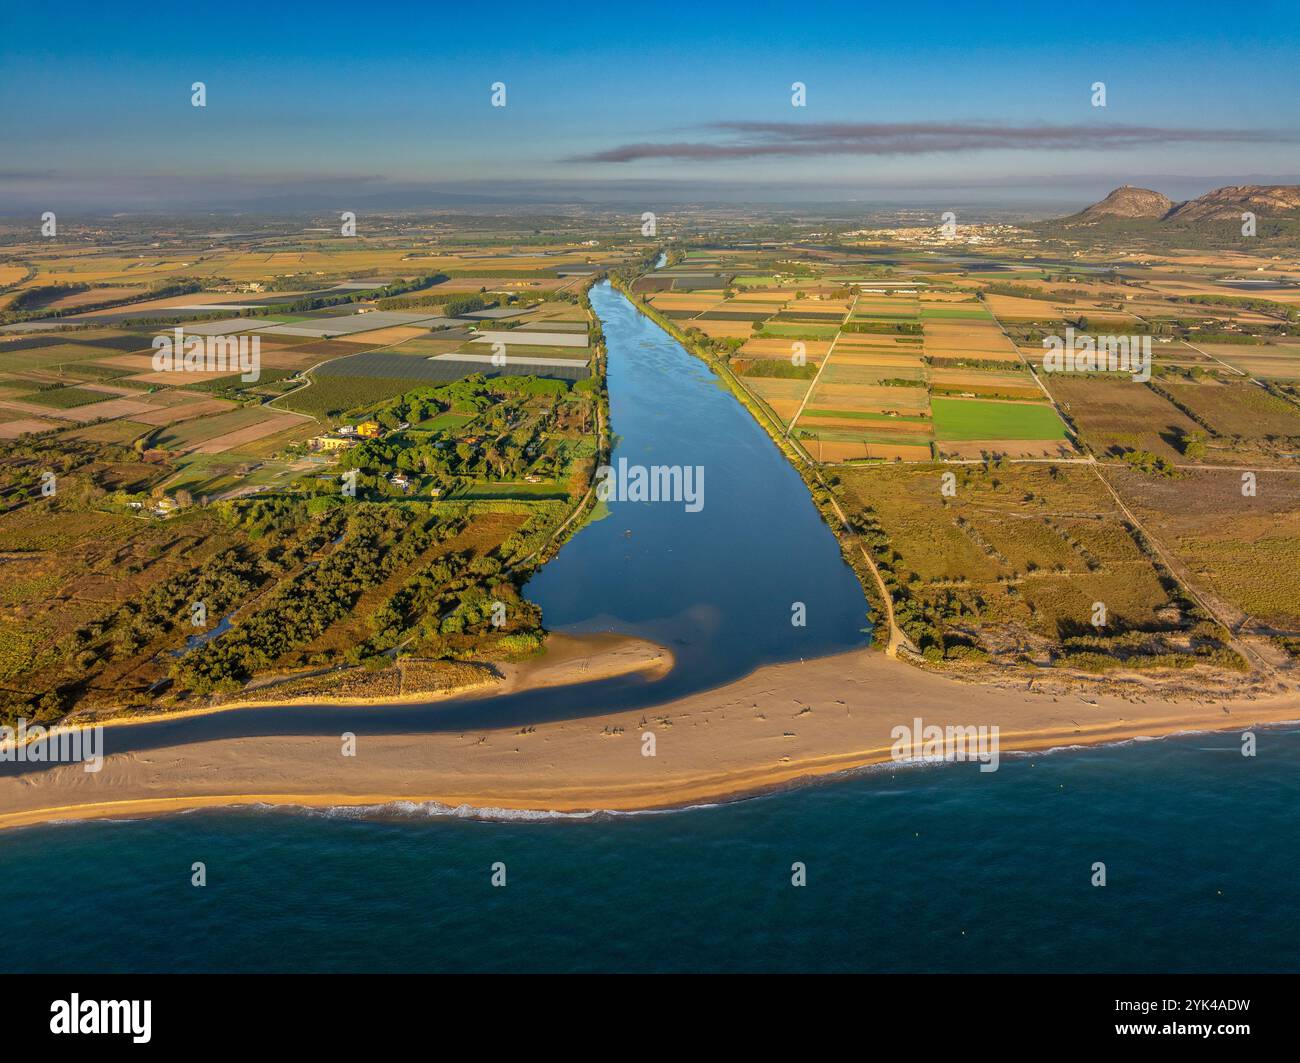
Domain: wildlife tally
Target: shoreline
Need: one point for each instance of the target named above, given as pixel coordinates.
(1044, 743)
(772, 729)
(607, 656)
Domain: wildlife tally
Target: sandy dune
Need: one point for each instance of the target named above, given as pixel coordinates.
(780, 723)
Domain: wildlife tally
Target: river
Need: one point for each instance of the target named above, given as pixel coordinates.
(723, 586)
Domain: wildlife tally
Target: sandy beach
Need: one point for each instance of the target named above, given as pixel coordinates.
(778, 724)
(585, 659)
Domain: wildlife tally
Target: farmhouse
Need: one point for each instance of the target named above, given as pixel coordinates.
(331, 442)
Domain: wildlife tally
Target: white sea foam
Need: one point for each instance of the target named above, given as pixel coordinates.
(1049, 749)
(437, 810)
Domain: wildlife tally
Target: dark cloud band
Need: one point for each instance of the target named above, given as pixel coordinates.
(749, 140)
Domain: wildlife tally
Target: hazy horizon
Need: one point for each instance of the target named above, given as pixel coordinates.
(922, 107)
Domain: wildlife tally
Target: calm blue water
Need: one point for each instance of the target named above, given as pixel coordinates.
(716, 585)
(1200, 845)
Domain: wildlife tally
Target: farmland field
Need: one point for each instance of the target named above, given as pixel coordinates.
(335, 393)
(961, 419)
(1238, 409)
(1234, 545)
(65, 398)
(1117, 415)
(986, 561)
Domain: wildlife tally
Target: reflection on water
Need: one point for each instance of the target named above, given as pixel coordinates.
(718, 586)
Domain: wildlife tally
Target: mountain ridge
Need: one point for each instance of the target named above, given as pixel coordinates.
(1228, 203)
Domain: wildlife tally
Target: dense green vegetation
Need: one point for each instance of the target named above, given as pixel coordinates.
(518, 426)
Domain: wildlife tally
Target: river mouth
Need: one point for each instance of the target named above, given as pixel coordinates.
(740, 572)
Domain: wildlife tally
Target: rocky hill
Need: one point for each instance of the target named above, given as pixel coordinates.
(1227, 204)
(1222, 204)
(1126, 202)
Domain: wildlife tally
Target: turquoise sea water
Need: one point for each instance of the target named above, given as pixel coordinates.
(923, 869)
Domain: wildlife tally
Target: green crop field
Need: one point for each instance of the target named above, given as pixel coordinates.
(956, 419)
(801, 331)
(67, 398)
(968, 312)
(329, 396)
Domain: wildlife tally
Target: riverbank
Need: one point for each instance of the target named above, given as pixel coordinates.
(781, 723)
(566, 659)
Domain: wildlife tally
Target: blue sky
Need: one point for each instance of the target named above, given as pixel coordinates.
(339, 100)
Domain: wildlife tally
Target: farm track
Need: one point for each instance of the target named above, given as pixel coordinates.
(1267, 663)
(822, 368)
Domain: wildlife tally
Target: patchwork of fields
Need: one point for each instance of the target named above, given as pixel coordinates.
(919, 361)
(213, 434)
(458, 398)
(856, 372)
